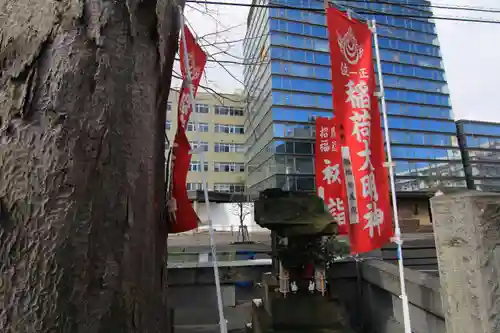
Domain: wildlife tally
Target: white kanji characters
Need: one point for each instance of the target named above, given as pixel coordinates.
(337, 209)
(363, 73)
(361, 128)
(323, 132)
(324, 146)
(331, 173)
(184, 109)
(374, 219)
(366, 154)
(369, 187)
(334, 146)
(333, 132)
(321, 192)
(344, 70)
(358, 95)
(195, 71)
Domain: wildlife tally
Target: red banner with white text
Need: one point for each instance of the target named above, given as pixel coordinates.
(330, 177)
(356, 107)
(183, 216)
(197, 60)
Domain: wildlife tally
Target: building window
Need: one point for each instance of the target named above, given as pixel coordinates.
(230, 129)
(229, 148)
(228, 110)
(169, 107)
(168, 125)
(194, 186)
(202, 108)
(202, 127)
(194, 145)
(195, 166)
(229, 187)
(229, 167)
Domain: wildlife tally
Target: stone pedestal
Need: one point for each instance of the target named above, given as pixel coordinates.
(467, 233)
(301, 312)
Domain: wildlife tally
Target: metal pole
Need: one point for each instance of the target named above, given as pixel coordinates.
(222, 320)
(389, 164)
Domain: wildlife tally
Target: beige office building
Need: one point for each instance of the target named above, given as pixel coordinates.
(222, 137)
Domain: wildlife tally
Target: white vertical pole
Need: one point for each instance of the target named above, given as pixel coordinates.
(390, 165)
(222, 320)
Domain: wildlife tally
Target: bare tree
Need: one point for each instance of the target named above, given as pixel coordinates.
(83, 93)
(242, 210)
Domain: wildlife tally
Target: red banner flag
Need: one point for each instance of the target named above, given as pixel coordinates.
(183, 216)
(197, 60)
(356, 108)
(330, 176)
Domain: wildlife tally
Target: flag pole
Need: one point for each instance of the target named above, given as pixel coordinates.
(390, 165)
(222, 320)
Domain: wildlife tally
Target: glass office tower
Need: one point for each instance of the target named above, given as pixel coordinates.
(287, 78)
(480, 143)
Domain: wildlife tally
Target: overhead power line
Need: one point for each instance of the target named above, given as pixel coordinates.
(357, 10)
(437, 6)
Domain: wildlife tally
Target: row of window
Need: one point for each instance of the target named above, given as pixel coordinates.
(219, 147)
(195, 166)
(322, 58)
(218, 187)
(483, 129)
(485, 170)
(397, 137)
(422, 153)
(319, 18)
(322, 32)
(393, 8)
(326, 102)
(412, 138)
(322, 44)
(219, 128)
(306, 183)
(482, 155)
(424, 73)
(304, 115)
(219, 109)
(305, 165)
(325, 87)
(307, 115)
(482, 142)
(320, 72)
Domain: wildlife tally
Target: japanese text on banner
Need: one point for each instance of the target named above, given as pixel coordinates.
(182, 215)
(356, 107)
(330, 177)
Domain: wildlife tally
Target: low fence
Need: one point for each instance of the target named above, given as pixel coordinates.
(418, 254)
(372, 298)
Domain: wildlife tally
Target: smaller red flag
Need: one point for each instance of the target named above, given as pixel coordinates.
(184, 217)
(197, 59)
(330, 176)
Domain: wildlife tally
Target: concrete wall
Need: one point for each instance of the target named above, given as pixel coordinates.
(373, 298)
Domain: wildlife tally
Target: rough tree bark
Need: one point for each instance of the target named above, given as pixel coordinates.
(83, 91)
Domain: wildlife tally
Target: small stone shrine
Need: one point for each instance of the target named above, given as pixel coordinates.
(295, 296)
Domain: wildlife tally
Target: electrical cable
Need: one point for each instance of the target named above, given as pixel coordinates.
(363, 11)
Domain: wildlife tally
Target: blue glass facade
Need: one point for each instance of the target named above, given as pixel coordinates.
(480, 144)
(289, 84)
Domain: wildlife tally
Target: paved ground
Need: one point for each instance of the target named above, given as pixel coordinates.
(222, 238)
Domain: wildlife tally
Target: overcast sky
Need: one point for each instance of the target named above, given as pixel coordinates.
(469, 50)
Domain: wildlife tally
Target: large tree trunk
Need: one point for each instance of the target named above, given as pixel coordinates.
(83, 90)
